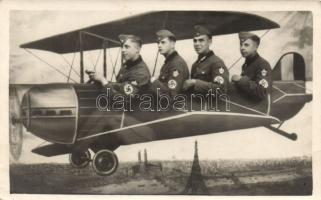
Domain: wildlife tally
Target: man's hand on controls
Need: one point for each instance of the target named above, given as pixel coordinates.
(96, 77)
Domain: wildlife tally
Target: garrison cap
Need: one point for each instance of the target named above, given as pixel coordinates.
(161, 34)
(123, 38)
(247, 35)
(201, 30)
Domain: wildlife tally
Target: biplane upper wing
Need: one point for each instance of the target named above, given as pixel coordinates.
(145, 25)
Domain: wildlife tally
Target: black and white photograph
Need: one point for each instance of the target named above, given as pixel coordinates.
(178, 101)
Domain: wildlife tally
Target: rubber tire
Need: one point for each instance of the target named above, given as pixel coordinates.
(101, 154)
(83, 164)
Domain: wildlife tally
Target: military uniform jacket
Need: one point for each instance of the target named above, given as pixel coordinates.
(256, 77)
(172, 75)
(210, 72)
(133, 77)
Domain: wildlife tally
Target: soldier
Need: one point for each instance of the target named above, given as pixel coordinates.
(134, 76)
(174, 71)
(209, 71)
(255, 80)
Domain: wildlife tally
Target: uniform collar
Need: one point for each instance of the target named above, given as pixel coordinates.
(171, 56)
(202, 57)
(130, 63)
(251, 59)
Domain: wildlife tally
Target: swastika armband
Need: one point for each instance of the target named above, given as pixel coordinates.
(219, 79)
(128, 89)
(264, 83)
(172, 84)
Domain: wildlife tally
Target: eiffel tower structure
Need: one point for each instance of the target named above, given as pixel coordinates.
(195, 183)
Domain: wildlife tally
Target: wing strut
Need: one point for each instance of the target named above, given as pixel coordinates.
(100, 37)
(71, 67)
(70, 64)
(267, 31)
(105, 46)
(114, 64)
(81, 57)
(155, 62)
(42, 60)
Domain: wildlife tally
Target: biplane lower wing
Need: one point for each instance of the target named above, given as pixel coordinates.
(186, 124)
(182, 125)
(52, 150)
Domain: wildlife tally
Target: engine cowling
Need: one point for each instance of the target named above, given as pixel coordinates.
(50, 112)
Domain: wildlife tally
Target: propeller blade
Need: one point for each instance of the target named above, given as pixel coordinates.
(15, 125)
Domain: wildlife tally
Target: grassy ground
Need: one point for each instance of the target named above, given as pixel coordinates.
(223, 177)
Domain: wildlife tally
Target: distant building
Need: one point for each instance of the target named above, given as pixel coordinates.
(145, 168)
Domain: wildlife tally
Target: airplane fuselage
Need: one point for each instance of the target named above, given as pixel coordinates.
(80, 115)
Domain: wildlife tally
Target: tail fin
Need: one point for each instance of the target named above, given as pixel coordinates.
(288, 95)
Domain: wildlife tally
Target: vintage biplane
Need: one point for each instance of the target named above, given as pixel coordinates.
(66, 115)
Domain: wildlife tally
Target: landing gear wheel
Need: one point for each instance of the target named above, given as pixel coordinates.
(15, 126)
(105, 162)
(80, 159)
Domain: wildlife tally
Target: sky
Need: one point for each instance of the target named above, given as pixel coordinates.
(258, 143)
